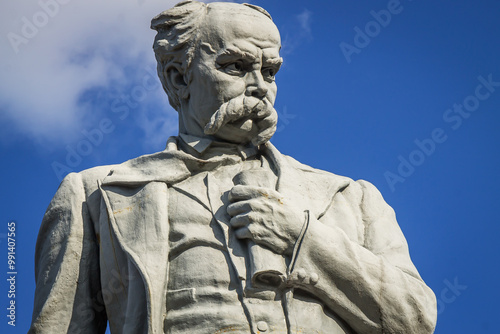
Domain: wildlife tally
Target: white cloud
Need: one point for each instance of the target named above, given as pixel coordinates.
(296, 31)
(304, 19)
(54, 51)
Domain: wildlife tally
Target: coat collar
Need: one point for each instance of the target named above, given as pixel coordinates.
(169, 166)
(173, 165)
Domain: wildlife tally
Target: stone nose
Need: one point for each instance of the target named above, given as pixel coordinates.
(256, 85)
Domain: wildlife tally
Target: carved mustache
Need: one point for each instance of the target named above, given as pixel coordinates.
(261, 110)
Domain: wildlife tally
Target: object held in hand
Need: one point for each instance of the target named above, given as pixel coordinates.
(267, 268)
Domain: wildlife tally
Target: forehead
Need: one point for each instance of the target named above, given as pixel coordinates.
(233, 25)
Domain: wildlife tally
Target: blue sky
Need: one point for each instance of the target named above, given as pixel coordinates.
(410, 103)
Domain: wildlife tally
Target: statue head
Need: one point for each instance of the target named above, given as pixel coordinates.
(217, 63)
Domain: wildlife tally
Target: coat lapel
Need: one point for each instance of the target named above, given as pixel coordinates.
(139, 219)
(136, 197)
(218, 205)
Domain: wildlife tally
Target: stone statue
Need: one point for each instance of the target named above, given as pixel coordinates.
(220, 232)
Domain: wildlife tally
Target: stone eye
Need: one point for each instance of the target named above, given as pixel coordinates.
(268, 72)
(235, 68)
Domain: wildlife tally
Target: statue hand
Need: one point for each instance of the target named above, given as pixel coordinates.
(264, 216)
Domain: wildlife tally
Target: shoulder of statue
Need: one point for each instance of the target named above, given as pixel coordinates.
(92, 176)
(316, 175)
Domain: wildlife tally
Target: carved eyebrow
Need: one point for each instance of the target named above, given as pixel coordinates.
(274, 61)
(231, 53)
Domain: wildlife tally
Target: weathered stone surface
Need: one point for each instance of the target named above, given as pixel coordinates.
(220, 232)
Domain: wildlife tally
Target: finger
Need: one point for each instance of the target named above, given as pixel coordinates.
(243, 192)
(239, 208)
(243, 233)
(246, 192)
(240, 220)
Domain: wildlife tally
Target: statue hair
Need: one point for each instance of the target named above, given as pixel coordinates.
(176, 42)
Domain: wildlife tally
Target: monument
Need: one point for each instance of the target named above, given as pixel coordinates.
(220, 232)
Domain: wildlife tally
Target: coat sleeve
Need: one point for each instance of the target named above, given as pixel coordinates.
(371, 282)
(67, 291)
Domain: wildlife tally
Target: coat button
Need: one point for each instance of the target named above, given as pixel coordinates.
(314, 278)
(262, 326)
(301, 274)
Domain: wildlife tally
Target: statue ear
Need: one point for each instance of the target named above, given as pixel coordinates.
(174, 78)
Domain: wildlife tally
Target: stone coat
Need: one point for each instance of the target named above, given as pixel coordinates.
(102, 251)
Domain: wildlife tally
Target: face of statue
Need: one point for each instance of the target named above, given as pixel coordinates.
(232, 88)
